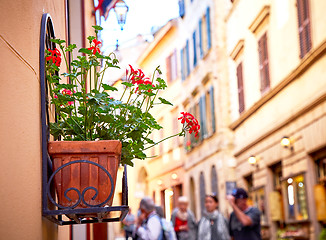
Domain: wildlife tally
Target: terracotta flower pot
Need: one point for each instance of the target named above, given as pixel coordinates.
(89, 176)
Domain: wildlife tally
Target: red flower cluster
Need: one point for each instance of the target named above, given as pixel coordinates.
(96, 47)
(191, 122)
(55, 57)
(138, 77)
(66, 92)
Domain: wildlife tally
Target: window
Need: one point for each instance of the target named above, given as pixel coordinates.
(202, 189)
(275, 197)
(194, 48)
(250, 186)
(304, 27)
(171, 67)
(205, 42)
(259, 202)
(263, 64)
(240, 88)
(295, 190)
(321, 170)
(182, 9)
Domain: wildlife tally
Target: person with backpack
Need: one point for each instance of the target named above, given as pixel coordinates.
(149, 225)
(168, 230)
(213, 225)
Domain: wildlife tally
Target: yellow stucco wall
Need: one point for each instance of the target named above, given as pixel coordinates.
(20, 139)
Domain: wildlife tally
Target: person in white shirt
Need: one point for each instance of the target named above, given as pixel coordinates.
(148, 224)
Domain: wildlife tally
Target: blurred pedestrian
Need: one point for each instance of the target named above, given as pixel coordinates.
(213, 225)
(184, 221)
(244, 220)
(148, 223)
(168, 230)
(129, 224)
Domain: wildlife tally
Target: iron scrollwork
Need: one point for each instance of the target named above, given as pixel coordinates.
(81, 195)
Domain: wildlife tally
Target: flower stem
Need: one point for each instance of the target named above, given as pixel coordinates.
(177, 134)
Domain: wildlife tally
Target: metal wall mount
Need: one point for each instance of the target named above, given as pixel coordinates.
(51, 209)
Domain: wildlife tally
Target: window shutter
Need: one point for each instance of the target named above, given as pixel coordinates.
(263, 63)
(168, 68)
(181, 8)
(211, 95)
(240, 89)
(187, 58)
(182, 65)
(205, 114)
(202, 110)
(304, 27)
(201, 119)
(201, 38)
(209, 44)
(195, 47)
(174, 65)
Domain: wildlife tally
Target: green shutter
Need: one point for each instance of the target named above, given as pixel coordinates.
(211, 95)
(209, 42)
(195, 47)
(182, 65)
(200, 38)
(187, 58)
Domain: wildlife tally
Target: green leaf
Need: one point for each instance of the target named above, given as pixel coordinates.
(97, 27)
(128, 84)
(71, 47)
(107, 87)
(91, 38)
(85, 50)
(58, 41)
(165, 101)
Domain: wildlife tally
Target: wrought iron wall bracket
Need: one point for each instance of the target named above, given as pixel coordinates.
(50, 208)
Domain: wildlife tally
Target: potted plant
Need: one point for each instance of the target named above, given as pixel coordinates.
(94, 132)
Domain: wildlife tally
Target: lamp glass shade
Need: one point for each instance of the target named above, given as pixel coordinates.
(252, 160)
(285, 142)
(121, 10)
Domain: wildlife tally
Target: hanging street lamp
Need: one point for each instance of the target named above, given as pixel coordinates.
(121, 10)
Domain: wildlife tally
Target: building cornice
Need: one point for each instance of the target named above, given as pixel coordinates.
(237, 49)
(260, 19)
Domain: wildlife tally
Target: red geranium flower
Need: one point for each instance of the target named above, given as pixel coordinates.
(190, 123)
(55, 57)
(136, 76)
(96, 47)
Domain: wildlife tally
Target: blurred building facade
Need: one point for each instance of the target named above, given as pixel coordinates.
(253, 76)
(276, 55)
(191, 51)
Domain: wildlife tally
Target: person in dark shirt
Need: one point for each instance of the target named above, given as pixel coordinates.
(244, 221)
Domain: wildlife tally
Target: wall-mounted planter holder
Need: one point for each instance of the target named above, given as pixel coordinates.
(77, 185)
